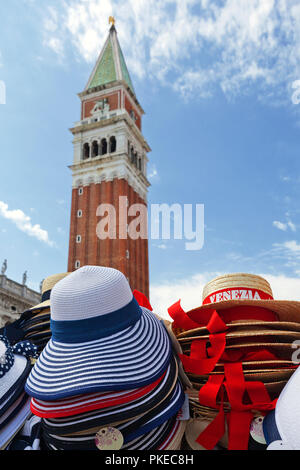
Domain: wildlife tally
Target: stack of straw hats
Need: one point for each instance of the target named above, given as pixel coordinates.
(34, 324)
(237, 351)
(108, 377)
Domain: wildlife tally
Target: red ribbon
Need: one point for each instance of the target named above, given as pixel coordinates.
(240, 416)
(181, 320)
(142, 300)
(236, 293)
(202, 360)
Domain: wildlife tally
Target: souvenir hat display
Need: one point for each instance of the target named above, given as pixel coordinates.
(108, 365)
(14, 403)
(34, 324)
(237, 352)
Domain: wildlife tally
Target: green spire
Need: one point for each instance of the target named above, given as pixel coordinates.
(111, 64)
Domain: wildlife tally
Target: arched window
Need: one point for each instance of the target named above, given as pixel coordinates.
(112, 144)
(103, 146)
(140, 164)
(95, 149)
(86, 151)
(135, 159)
(132, 155)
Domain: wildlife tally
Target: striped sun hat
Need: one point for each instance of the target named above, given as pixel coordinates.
(102, 340)
(128, 403)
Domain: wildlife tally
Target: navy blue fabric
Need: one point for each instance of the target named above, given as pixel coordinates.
(141, 426)
(270, 428)
(90, 329)
(46, 295)
(13, 332)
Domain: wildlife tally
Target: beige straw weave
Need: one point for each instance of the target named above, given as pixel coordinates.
(238, 280)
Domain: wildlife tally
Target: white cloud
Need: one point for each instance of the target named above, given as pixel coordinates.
(280, 225)
(194, 47)
(284, 226)
(23, 222)
(292, 226)
(292, 246)
(189, 290)
(153, 173)
(56, 45)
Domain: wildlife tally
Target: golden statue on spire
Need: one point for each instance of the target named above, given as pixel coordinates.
(111, 20)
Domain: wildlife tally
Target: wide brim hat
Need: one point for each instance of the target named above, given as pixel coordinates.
(242, 290)
(81, 425)
(101, 338)
(131, 430)
(93, 408)
(47, 286)
(156, 439)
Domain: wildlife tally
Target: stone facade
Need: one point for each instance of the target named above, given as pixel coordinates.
(15, 298)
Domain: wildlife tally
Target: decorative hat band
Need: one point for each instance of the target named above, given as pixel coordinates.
(90, 329)
(7, 359)
(236, 293)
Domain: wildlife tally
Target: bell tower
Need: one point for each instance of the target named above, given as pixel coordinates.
(110, 162)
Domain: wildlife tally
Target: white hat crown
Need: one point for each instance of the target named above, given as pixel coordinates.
(89, 292)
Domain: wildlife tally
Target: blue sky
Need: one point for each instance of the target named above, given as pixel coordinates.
(216, 81)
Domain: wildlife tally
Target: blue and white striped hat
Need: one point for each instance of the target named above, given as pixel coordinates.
(101, 338)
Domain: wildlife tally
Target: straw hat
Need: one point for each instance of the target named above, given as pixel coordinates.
(101, 338)
(243, 290)
(47, 286)
(196, 426)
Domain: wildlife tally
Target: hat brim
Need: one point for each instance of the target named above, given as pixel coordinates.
(152, 440)
(195, 427)
(11, 378)
(108, 403)
(253, 332)
(41, 306)
(286, 310)
(128, 359)
(276, 325)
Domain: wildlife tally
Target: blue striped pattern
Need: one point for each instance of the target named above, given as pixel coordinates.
(131, 358)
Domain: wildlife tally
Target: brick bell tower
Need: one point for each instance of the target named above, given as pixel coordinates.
(110, 160)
